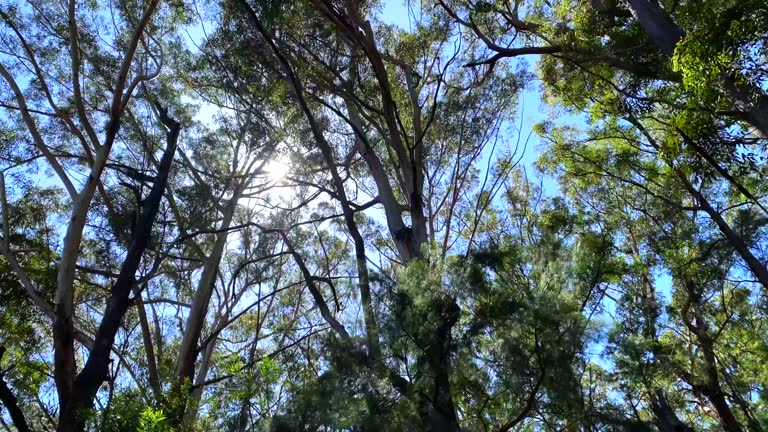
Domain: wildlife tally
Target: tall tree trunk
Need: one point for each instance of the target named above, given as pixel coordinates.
(393, 210)
(188, 351)
(149, 348)
(666, 418)
(440, 413)
(84, 387)
(707, 156)
(750, 100)
(63, 325)
(193, 405)
(711, 387)
(758, 268)
(657, 24)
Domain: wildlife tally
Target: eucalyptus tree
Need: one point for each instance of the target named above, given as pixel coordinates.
(399, 272)
(222, 181)
(68, 93)
(709, 49)
(379, 120)
(677, 215)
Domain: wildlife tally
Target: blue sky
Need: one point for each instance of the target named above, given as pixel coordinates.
(530, 106)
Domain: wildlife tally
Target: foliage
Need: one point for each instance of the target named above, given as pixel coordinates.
(301, 216)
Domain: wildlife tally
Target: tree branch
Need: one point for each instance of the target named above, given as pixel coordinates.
(11, 403)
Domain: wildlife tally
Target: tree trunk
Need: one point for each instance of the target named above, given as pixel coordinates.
(393, 210)
(12, 403)
(665, 34)
(758, 268)
(666, 418)
(750, 100)
(714, 391)
(659, 26)
(188, 351)
(197, 393)
(711, 387)
(440, 412)
(82, 389)
(63, 325)
(146, 334)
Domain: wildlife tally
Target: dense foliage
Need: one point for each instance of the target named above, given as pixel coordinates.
(323, 215)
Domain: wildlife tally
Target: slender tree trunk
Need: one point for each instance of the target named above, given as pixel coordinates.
(197, 393)
(707, 156)
(711, 387)
(84, 387)
(245, 403)
(243, 414)
(188, 351)
(146, 334)
(758, 268)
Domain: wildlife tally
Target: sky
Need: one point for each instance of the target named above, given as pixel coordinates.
(530, 106)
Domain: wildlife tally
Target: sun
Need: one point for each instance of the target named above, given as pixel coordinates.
(277, 170)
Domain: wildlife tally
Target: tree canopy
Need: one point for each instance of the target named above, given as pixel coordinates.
(339, 215)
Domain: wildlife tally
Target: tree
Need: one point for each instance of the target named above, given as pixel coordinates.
(77, 390)
(296, 216)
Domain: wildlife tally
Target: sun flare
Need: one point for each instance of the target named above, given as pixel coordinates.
(277, 170)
